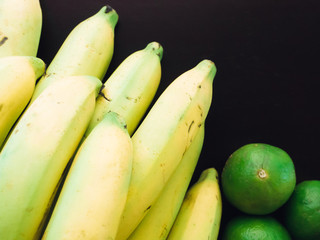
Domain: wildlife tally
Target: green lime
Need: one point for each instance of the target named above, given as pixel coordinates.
(254, 228)
(302, 211)
(258, 178)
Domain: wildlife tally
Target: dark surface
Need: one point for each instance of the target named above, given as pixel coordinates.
(266, 52)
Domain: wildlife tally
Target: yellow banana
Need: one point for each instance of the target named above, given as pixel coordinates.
(131, 87)
(94, 193)
(37, 151)
(159, 220)
(162, 138)
(18, 75)
(200, 214)
(20, 27)
(87, 50)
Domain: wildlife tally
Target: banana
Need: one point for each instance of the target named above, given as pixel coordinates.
(87, 50)
(18, 75)
(94, 193)
(20, 27)
(162, 138)
(200, 214)
(131, 87)
(159, 220)
(37, 151)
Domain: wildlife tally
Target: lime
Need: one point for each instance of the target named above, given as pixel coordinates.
(258, 178)
(302, 211)
(254, 228)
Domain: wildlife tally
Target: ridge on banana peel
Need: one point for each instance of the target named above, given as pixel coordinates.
(95, 190)
(38, 150)
(160, 218)
(87, 50)
(21, 36)
(200, 214)
(131, 87)
(162, 138)
(18, 75)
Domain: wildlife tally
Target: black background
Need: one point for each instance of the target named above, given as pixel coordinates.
(267, 55)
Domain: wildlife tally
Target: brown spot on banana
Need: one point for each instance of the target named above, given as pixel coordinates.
(147, 208)
(3, 40)
(201, 111)
(103, 95)
(164, 231)
(135, 100)
(191, 124)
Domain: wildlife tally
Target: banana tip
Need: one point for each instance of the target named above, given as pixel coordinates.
(108, 8)
(208, 66)
(156, 48)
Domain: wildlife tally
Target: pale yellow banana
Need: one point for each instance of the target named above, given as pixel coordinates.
(162, 138)
(131, 87)
(95, 191)
(18, 75)
(20, 27)
(160, 218)
(200, 214)
(37, 151)
(87, 50)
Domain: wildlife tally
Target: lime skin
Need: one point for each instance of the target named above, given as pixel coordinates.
(302, 211)
(258, 178)
(252, 227)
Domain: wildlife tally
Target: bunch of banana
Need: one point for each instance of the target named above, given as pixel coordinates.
(200, 214)
(131, 87)
(87, 50)
(78, 161)
(95, 190)
(160, 218)
(162, 139)
(37, 151)
(20, 27)
(18, 75)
